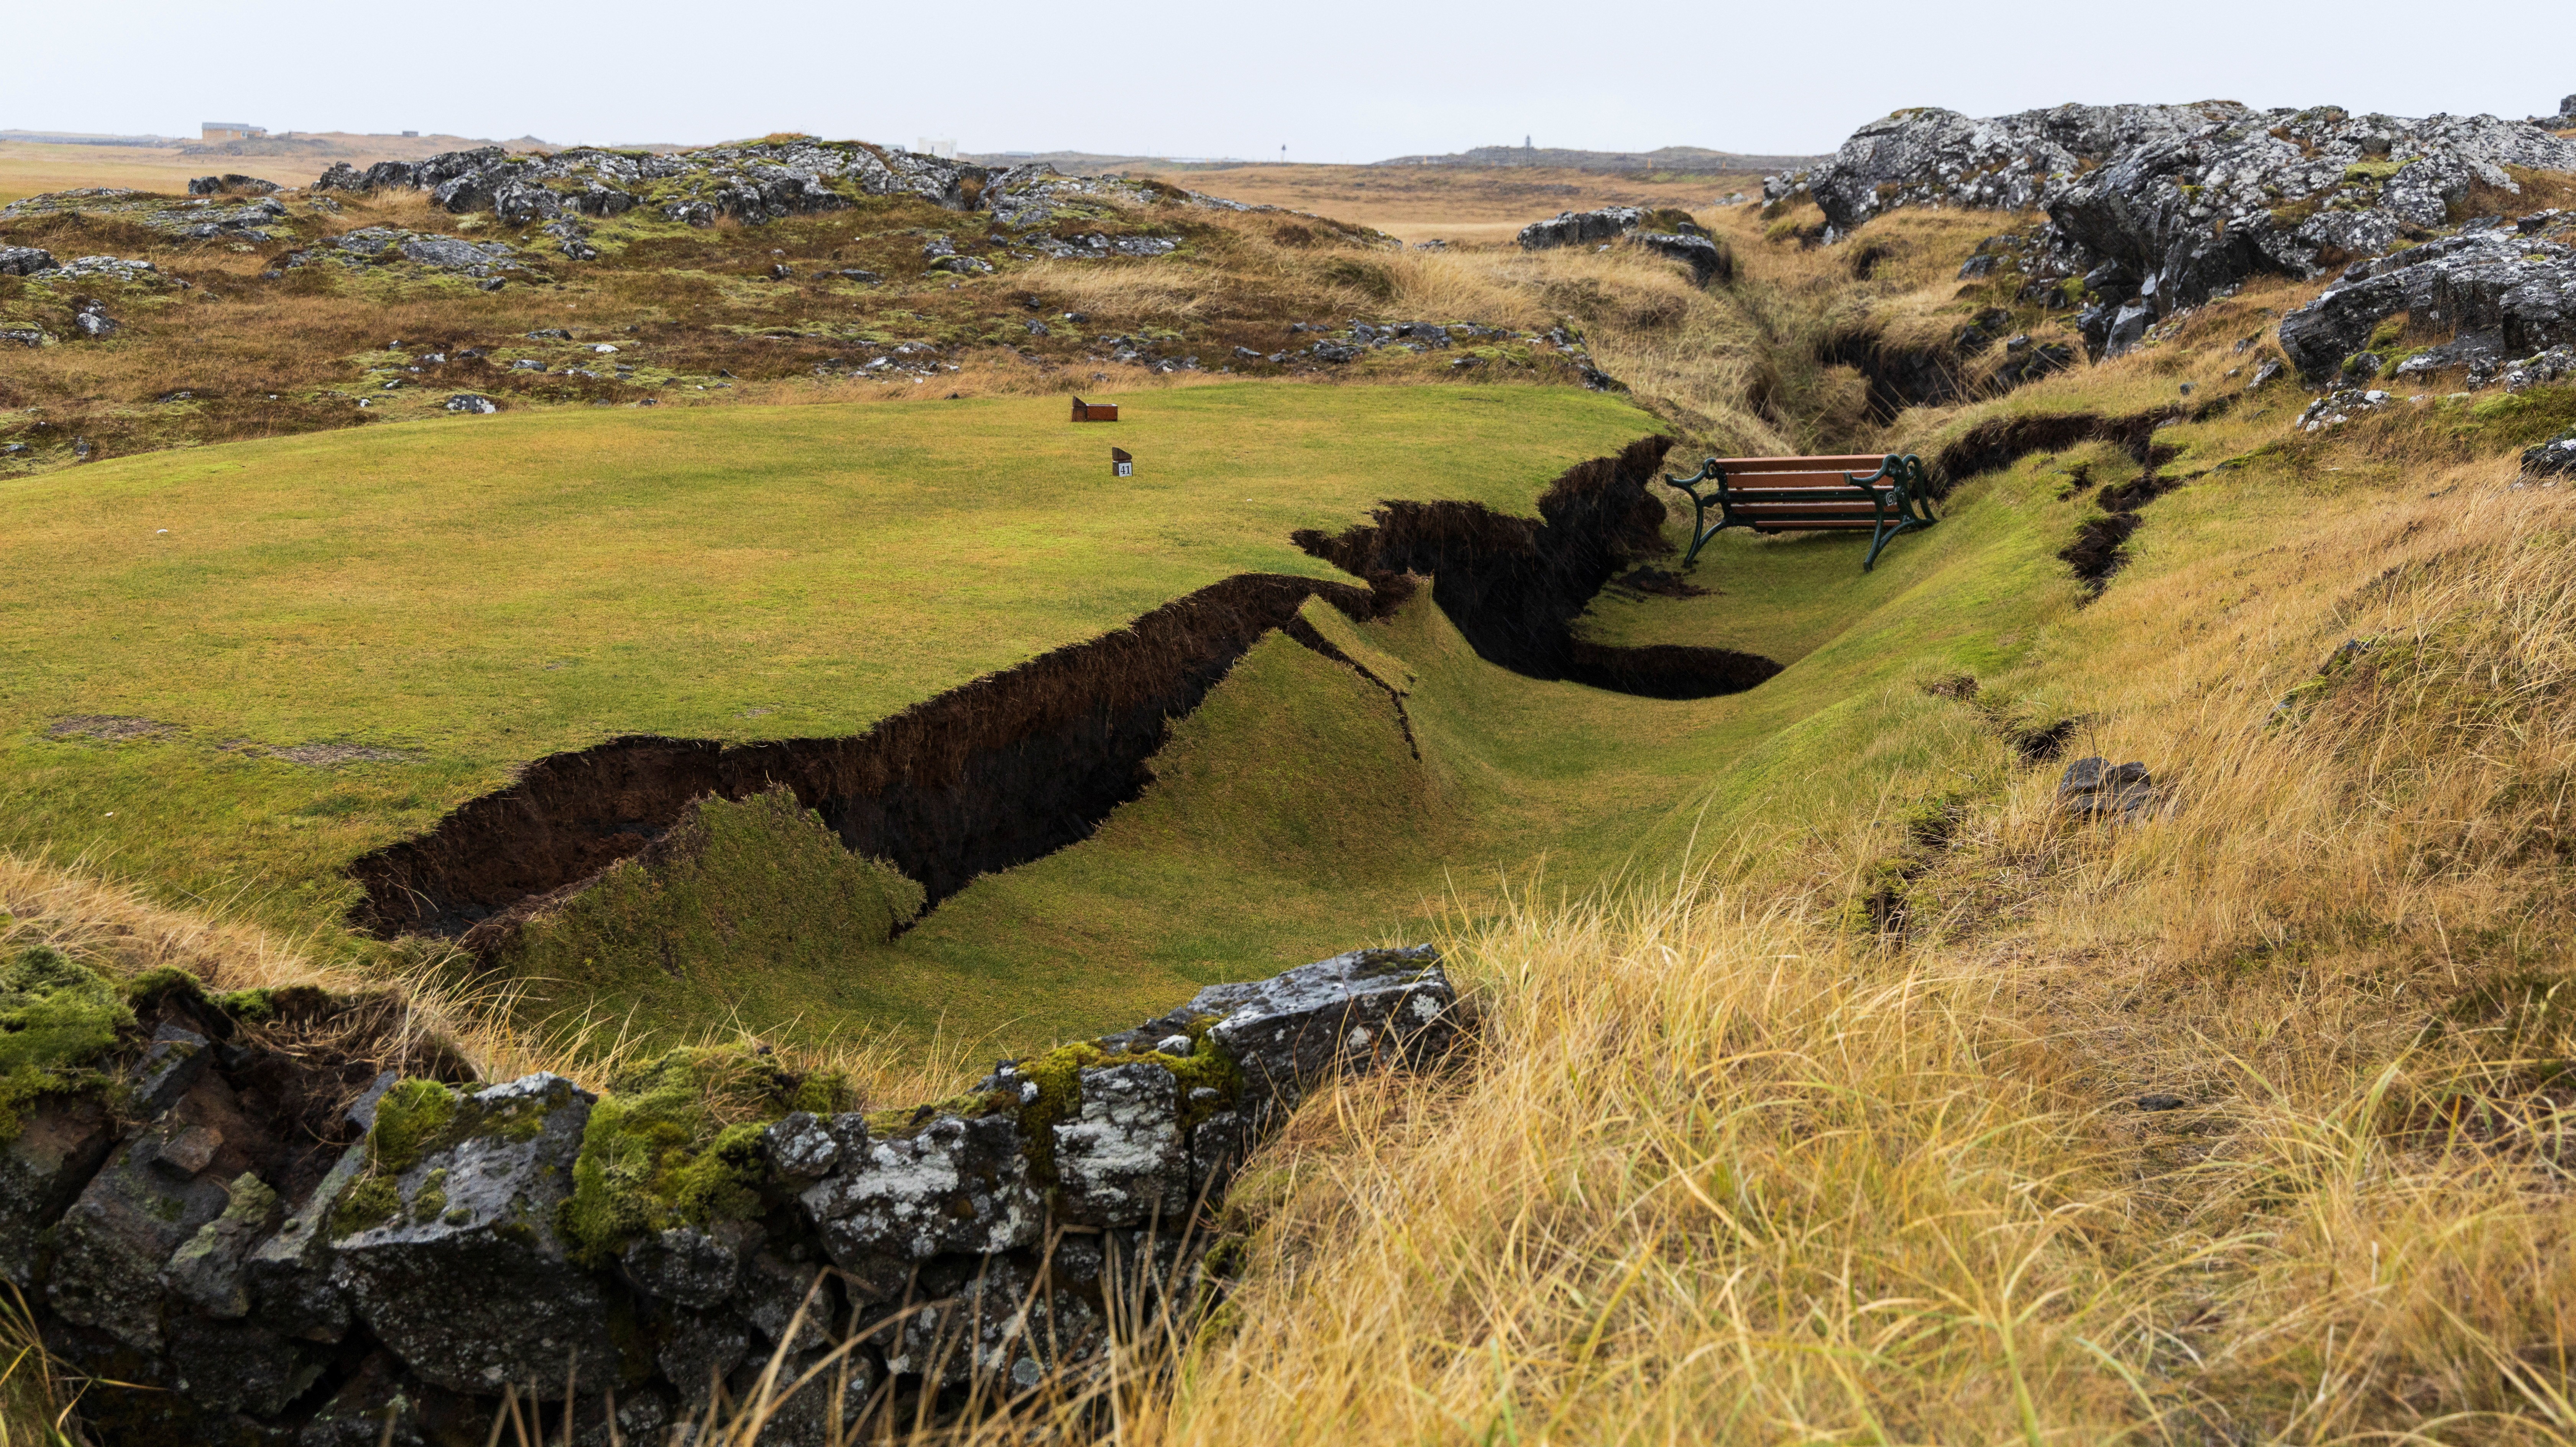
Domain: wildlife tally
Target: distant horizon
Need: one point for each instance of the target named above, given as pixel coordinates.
(41, 135)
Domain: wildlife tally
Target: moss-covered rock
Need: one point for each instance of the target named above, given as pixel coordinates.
(57, 1016)
(679, 1143)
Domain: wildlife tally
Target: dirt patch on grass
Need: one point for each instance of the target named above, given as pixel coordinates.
(112, 727)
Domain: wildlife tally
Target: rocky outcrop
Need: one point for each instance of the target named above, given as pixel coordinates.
(231, 185)
(202, 218)
(1573, 228)
(2554, 458)
(376, 244)
(756, 183)
(2095, 788)
(2501, 294)
(235, 1256)
(2161, 207)
(24, 260)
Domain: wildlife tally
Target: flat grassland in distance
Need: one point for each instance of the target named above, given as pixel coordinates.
(31, 168)
(432, 604)
(1482, 204)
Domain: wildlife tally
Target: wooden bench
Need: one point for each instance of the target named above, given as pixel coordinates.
(1885, 495)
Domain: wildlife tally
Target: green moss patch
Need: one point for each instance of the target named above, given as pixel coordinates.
(678, 1143)
(56, 1016)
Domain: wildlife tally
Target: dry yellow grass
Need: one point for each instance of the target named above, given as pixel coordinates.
(1721, 1172)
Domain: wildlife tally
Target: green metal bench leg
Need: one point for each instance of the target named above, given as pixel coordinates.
(1688, 487)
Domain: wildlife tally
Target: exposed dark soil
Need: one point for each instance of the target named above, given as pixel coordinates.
(1017, 765)
(2100, 546)
(996, 773)
(1513, 587)
(2098, 549)
(2035, 743)
(1898, 377)
(1662, 582)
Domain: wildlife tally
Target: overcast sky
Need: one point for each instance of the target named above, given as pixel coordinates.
(1332, 80)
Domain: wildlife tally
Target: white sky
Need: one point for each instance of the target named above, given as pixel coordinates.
(1333, 80)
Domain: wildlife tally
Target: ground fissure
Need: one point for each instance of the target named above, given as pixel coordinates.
(1014, 766)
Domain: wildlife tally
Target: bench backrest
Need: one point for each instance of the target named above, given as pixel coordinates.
(1754, 473)
(1796, 478)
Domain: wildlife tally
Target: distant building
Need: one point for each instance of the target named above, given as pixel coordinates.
(411, 133)
(944, 150)
(230, 131)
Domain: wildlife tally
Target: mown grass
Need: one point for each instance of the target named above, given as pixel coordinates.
(467, 594)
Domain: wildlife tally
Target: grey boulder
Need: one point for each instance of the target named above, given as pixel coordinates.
(2519, 292)
(955, 1184)
(2095, 788)
(1355, 1011)
(469, 1282)
(24, 260)
(1121, 1160)
(171, 1179)
(1706, 259)
(1571, 228)
(2554, 458)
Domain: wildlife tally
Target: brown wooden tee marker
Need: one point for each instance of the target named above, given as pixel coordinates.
(1120, 464)
(1094, 411)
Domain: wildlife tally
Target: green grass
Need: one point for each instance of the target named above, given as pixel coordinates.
(480, 592)
(477, 592)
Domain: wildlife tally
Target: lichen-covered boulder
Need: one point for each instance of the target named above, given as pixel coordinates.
(989, 1319)
(954, 1184)
(2506, 296)
(449, 1247)
(690, 1267)
(1121, 1160)
(1355, 1011)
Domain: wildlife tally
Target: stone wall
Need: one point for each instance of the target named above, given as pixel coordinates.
(259, 1243)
